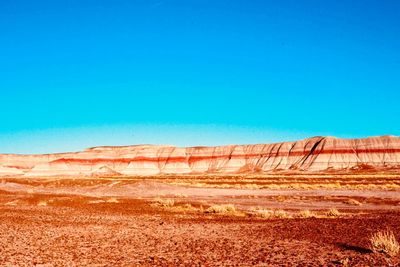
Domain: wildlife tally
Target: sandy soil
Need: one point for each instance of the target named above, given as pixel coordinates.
(117, 223)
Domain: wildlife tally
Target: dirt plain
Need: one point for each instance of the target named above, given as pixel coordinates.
(163, 221)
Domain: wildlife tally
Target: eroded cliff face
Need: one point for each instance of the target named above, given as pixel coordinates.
(313, 154)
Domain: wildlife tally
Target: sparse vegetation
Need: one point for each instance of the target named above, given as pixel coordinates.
(323, 181)
(187, 206)
(264, 213)
(226, 208)
(112, 200)
(333, 213)
(147, 213)
(344, 261)
(42, 203)
(385, 242)
(281, 214)
(270, 214)
(306, 214)
(184, 208)
(164, 202)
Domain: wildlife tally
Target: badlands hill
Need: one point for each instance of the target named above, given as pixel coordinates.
(313, 154)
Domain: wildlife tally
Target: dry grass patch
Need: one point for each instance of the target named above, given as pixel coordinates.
(112, 200)
(185, 208)
(164, 202)
(42, 203)
(226, 208)
(385, 242)
(392, 186)
(264, 213)
(344, 262)
(281, 214)
(306, 214)
(270, 214)
(333, 213)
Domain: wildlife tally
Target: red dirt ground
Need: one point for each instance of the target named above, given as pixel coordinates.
(46, 223)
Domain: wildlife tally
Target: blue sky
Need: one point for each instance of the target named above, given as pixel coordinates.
(75, 74)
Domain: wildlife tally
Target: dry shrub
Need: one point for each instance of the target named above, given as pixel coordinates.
(269, 214)
(385, 242)
(185, 207)
(96, 201)
(112, 200)
(164, 202)
(353, 202)
(333, 213)
(264, 213)
(306, 214)
(390, 186)
(344, 262)
(227, 208)
(42, 203)
(281, 214)
(253, 209)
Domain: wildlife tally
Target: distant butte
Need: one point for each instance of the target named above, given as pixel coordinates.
(312, 154)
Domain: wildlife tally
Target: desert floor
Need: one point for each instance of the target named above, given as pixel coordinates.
(276, 220)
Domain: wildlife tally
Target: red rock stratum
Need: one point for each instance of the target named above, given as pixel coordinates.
(312, 154)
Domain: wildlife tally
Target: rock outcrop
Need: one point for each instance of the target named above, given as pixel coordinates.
(313, 154)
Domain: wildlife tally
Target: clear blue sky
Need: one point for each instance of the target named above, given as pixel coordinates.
(80, 73)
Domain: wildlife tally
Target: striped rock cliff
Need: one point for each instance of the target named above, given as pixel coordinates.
(313, 154)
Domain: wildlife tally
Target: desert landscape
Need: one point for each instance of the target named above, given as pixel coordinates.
(199, 133)
(316, 202)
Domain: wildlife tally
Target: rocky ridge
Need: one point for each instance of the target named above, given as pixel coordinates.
(312, 154)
